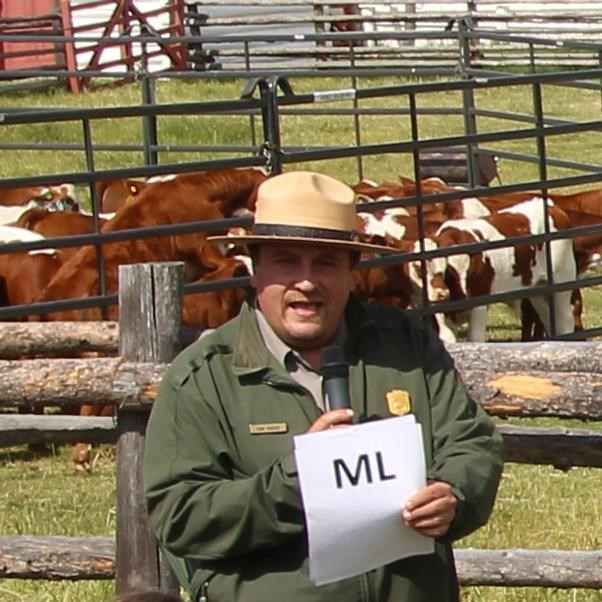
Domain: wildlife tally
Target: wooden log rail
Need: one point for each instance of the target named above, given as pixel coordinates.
(62, 339)
(562, 448)
(554, 379)
(18, 339)
(84, 558)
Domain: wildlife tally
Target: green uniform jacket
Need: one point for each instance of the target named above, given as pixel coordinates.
(228, 500)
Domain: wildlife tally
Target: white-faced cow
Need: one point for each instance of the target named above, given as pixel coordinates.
(510, 268)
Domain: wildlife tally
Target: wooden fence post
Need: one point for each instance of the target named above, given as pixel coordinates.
(150, 301)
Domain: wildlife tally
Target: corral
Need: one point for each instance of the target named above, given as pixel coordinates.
(366, 140)
(261, 118)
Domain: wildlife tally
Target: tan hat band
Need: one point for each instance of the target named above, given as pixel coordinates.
(301, 232)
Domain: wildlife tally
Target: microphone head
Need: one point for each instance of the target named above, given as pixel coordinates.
(333, 362)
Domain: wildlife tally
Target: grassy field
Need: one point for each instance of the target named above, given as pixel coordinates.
(298, 130)
(538, 507)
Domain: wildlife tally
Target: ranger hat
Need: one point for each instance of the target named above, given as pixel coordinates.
(305, 207)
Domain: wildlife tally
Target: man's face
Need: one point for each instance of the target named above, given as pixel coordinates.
(302, 291)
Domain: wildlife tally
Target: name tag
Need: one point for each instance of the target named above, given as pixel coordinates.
(268, 428)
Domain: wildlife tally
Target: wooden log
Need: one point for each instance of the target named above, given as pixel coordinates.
(18, 339)
(542, 356)
(150, 307)
(26, 429)
(549, 378)
(563, 448)
(582, 356)
(64, 339)
(64, 382)
(76, 558)
(57, 558)
(514, 392)
(508, 379)
(530, 568)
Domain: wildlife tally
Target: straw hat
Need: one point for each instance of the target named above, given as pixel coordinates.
(305, 207)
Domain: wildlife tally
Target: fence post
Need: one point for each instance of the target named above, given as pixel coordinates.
(268, 88)
(150, 299)
(149, 123)
(74, 83)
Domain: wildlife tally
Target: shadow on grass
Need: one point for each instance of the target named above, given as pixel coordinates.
(29, 453)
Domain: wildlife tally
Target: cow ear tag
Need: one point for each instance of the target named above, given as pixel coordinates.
(399, 403)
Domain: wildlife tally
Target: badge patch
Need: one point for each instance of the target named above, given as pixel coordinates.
(399, 402)
(268, 428)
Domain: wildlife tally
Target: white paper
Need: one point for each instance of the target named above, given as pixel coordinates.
(354, 483)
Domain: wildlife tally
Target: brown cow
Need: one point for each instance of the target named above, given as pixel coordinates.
(187, 197)
(582, 209)
(386, 284)
(53, 224)
(213, 308)
(469, 206)
(387, 191)
(209, 309)
(23, 275)
(114, 194)
(414, 282)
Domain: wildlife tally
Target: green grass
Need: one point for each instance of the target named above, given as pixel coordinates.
(297, 130)
(538, 507)
(43, 495)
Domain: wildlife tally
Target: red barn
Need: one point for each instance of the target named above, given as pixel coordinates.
(104, 19)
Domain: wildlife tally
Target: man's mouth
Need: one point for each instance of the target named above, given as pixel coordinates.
(305, 307)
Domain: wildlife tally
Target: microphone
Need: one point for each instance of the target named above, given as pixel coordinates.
(335, 371)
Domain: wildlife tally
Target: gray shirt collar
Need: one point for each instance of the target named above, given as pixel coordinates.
(279, 349)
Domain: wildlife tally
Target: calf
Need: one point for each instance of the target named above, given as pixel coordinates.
(584, 209)
(184, 198)
(207, 309)
(213, 308)
(367, 191)
(510, 268)
(387, 284)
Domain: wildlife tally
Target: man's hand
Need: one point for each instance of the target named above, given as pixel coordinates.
(431, 510)
(332, 419)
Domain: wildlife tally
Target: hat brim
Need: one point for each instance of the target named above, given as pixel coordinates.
(352, 245)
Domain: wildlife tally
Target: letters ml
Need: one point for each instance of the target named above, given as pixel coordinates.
(364, 466)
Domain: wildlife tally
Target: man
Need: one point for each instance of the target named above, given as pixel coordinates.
(220, 477)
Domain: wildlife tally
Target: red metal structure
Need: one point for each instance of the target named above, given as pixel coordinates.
(62, 18)
(18, 17)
